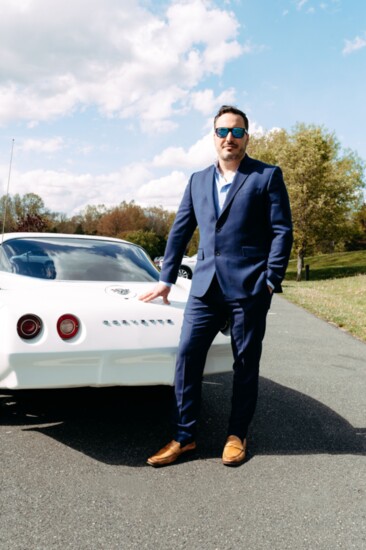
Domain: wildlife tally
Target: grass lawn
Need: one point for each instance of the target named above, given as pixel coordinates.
(328, 266)
(341, 301)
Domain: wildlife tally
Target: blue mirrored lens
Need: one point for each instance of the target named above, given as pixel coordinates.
(236, 132)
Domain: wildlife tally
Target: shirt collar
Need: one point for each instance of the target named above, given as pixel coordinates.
(219, 177)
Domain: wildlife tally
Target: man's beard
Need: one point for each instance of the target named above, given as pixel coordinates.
(236, 154)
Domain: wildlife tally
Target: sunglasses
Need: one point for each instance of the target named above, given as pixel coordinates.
(235, 132)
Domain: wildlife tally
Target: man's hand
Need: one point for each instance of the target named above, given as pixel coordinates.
(161, 290)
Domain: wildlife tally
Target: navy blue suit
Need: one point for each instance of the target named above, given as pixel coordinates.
(240, 249)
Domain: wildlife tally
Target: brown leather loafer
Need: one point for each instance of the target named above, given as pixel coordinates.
(169, 453)
(234, 451)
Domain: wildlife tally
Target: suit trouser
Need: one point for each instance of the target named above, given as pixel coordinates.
(203, 319)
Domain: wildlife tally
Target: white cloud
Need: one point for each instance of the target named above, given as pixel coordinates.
(124, 59)
(256, 129)
(301, 3)
(206, 103)
(70, 193)
(31, 102)
(64, 191)
(353, 45)
(50, 145)
(199, 155)
(166, 191)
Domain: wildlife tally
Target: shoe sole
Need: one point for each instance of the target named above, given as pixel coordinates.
(161, 464)
(233, 464)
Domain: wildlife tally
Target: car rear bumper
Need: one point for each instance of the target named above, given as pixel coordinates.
(100, 369)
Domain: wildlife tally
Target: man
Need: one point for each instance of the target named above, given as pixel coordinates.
(242, 210)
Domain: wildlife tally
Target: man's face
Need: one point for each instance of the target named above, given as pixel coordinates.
(230, 148)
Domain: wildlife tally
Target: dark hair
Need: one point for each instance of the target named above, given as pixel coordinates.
(230, 109)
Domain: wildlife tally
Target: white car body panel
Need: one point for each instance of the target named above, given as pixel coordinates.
(121, 341)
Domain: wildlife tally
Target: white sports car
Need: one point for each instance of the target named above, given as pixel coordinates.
(70, 315)
(186, 268)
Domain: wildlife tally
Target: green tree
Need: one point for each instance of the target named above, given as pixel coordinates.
(324, 183)
(25, 213)
(158, 220)
(62, 224)
(357, 234)
(31, 213)
(30, 203)
(149, 240)
(90, 217)
(7, 214)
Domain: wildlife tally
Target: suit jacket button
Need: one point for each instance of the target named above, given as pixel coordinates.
(217, 253)
(218, 229)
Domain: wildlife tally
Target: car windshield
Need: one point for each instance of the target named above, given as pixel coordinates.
(75, 259)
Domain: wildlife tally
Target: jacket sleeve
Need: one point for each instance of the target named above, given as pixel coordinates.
(279, 214)
(180, 234)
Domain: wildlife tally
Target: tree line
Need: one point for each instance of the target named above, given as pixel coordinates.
(325, 184)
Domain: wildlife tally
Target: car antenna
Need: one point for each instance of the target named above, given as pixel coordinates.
(7, 191)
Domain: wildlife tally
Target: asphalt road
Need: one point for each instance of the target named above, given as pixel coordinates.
(73, 474)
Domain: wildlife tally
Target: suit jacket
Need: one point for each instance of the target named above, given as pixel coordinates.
(248, 243)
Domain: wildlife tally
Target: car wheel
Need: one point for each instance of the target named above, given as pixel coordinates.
(185, 272)
(225, 327)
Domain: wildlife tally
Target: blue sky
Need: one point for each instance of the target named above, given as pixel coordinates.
(111, 100)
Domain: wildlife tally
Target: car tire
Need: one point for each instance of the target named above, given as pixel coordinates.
(185, 272)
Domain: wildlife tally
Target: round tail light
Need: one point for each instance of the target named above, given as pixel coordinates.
(67, 326)
(29, 326)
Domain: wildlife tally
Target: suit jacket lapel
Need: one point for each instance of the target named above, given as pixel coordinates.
(239, 180)
(209, 184)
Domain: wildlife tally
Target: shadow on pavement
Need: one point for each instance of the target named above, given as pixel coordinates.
(125, 425)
